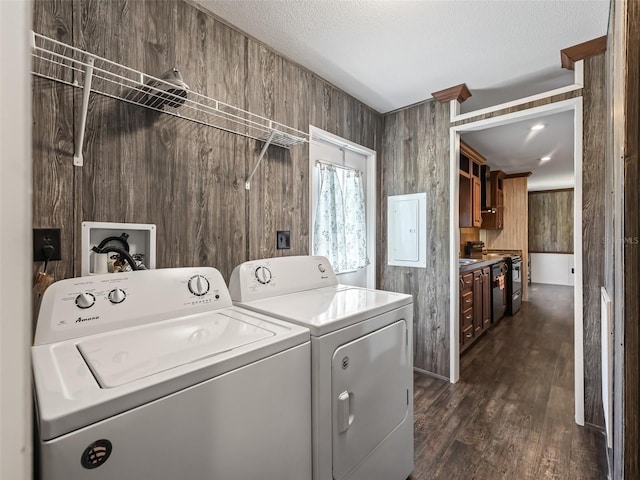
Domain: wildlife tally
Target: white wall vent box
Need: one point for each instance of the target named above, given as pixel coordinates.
(407, 230)
(142, 240)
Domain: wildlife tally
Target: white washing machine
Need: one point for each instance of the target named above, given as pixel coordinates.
(361, 360)
(154, 375)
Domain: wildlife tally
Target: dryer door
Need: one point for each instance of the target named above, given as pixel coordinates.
(370, 381)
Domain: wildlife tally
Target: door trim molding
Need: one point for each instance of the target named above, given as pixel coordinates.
(575, 105)
(318, 135)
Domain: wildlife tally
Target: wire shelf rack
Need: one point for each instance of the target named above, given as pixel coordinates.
(63, 63)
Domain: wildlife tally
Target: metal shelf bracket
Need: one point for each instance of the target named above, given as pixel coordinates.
(247, 183)
(78, 160)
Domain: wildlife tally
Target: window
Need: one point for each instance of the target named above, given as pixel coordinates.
(340, 229)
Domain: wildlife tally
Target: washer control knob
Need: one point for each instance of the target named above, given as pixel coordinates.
(198, 285)
(117, 295)
(85, 300)
(263, 275)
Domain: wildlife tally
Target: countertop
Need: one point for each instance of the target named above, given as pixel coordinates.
(482, 261)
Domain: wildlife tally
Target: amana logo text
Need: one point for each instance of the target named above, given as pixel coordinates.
(86, 319)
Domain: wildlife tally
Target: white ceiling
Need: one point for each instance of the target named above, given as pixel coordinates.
(515, 148)
(393, 53)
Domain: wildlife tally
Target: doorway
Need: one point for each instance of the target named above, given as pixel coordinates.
(575, 105)
(354, 169)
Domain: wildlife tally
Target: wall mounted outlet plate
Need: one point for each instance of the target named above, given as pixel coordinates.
(46, 237)
(283, 239)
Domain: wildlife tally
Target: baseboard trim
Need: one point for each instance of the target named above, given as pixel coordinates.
(430, 374)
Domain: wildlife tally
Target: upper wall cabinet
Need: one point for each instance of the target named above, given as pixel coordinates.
(471, 163)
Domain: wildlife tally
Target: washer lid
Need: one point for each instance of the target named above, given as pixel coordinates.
(324, 310)
(122, 357)
(75, 385)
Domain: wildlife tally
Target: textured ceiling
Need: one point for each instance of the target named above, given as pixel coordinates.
(393, 53)
(515, 148)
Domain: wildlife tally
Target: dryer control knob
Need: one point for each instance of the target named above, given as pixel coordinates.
(85, 300)
(263, 275)
(117, 295)
(198, 285)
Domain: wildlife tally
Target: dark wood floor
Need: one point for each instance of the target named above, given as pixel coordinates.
(511, 414)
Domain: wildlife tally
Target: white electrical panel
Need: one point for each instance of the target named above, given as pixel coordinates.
(407, 230)
(141, 238)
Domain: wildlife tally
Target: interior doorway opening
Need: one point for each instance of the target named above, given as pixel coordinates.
(575, 105)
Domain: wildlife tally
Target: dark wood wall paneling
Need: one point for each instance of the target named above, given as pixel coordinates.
(593, 230)
(52, 131)
(145, 167)
(631, 395)
(416, 159)
(551, 221)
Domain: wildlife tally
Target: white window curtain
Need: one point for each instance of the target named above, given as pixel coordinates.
(340, 230)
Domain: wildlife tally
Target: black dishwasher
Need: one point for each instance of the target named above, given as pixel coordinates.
(498, 292)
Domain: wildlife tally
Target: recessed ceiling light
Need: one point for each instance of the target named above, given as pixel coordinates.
(545, 159)
(539, 126)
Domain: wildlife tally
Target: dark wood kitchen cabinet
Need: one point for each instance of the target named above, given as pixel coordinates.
(486, 297)
(478, 301)
(493, 218)
(475, 305)
(466, 310)
(470, 187)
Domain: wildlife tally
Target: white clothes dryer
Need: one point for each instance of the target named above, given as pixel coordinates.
(154, 375)
(361, 360)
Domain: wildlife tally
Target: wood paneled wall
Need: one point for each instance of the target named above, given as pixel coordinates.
(514, 235)
(623, 78)
(593, 230)
(188, 179)
(551, 221)
(54, 176)
(415, 160)
(632, 248)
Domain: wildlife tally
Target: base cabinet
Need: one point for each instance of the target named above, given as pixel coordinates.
(475, 305)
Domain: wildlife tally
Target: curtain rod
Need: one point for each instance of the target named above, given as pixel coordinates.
(331, 164)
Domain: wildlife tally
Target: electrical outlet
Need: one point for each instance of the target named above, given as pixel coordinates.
(43, 237)
(283, 239)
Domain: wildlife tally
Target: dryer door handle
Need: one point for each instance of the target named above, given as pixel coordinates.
(345, 411)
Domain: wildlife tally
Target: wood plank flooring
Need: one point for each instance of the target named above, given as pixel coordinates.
(511, 414)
